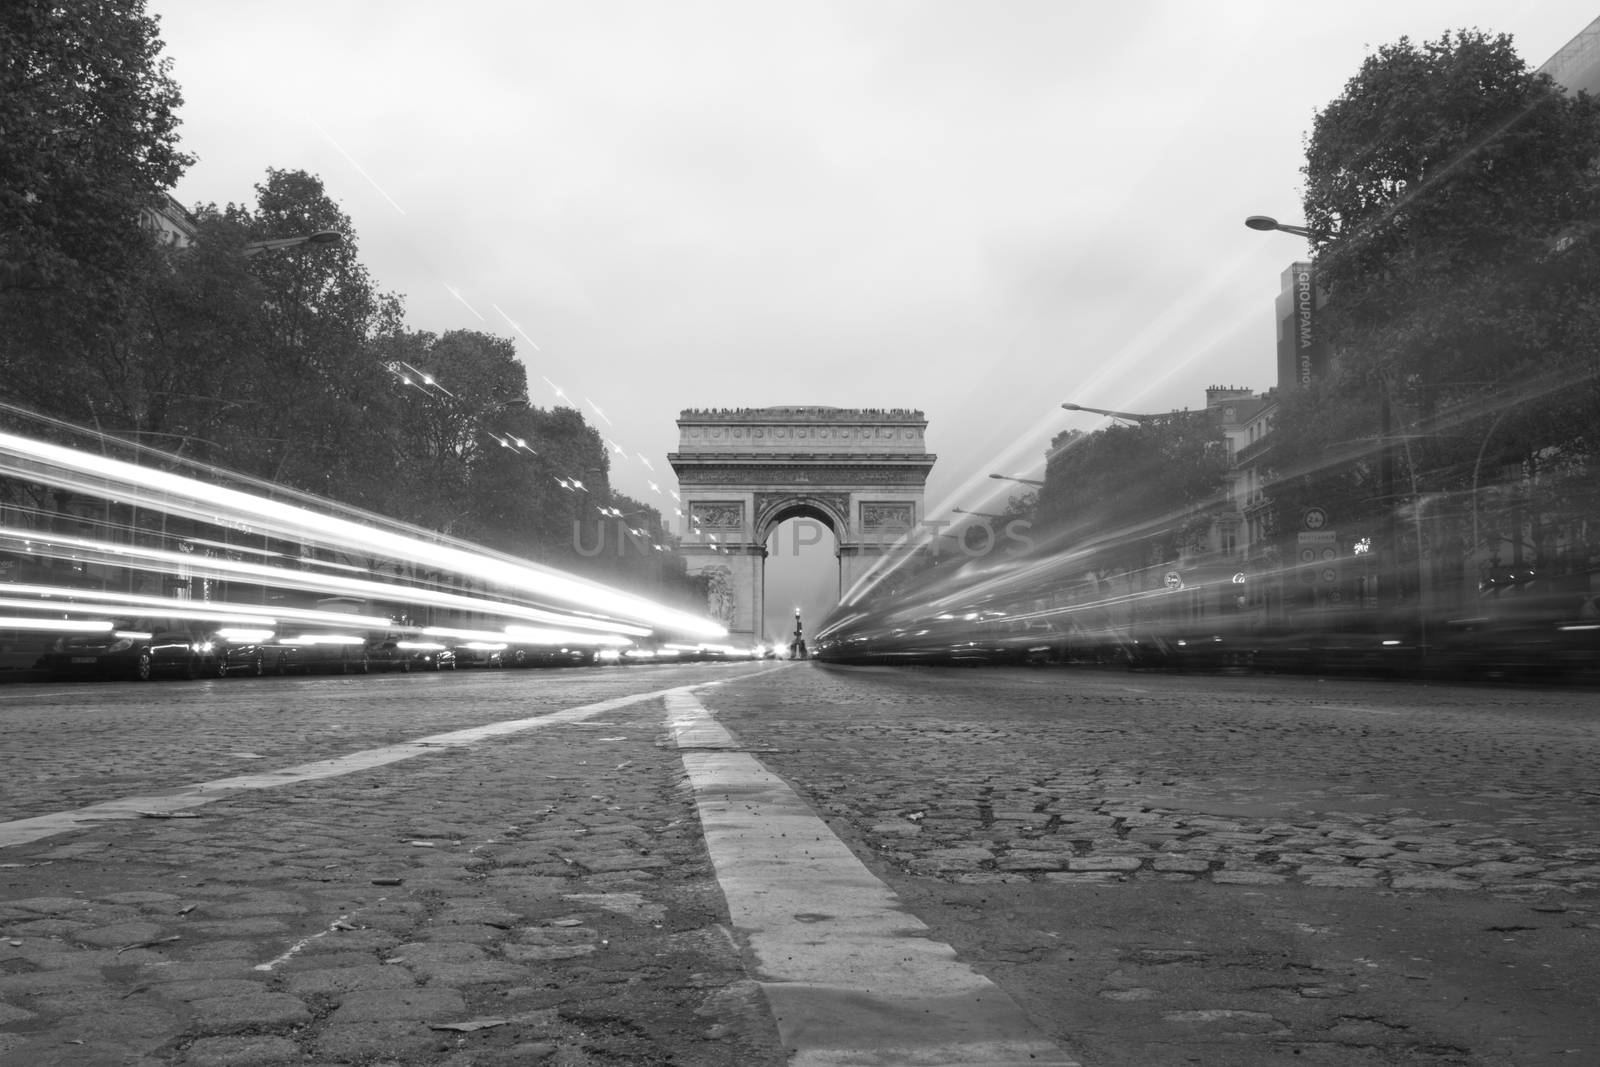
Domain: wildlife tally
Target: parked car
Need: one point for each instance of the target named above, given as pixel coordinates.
(479, 653)
(531, 655)
(408, 652)
(1578, 637)
(1526, 633)
(1380, 644)
(302, 651)
(140, 648)
(234, 650)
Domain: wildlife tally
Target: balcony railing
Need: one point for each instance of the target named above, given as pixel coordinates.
(1252, 451)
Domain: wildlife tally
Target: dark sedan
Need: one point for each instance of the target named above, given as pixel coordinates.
(139, 648)
(234, 650)
(402, 652)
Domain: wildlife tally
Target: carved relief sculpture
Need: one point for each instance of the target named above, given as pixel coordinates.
(720, 599)
(881, 516)
(718, 515)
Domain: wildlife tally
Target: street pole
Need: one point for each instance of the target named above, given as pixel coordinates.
(1391, 570)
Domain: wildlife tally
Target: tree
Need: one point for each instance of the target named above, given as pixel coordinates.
(462, 393)
(88, 140)
(1141, 489)
(154, 367)
(321, 405)
(1456, 195)
(527, 499)
(88, 146)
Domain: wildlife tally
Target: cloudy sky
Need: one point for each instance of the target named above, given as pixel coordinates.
(976, 209)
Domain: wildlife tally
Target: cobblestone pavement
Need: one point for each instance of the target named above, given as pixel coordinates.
(1157, 869)
(544, 898)
(1114, 816)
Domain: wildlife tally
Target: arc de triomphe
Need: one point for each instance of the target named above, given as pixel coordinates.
(742, 471)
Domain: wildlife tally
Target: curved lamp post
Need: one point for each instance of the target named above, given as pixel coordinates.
(320, 237)
(1126, 416)
(1386, 458)
(1268, 223)
(1036, 483)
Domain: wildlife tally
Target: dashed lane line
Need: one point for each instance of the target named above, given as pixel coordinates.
(851, 976)
(179, 801)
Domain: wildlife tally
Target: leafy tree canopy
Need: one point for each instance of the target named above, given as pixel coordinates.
(88, 138)
(1143, 484)
(1445, 177)
(1456, 195)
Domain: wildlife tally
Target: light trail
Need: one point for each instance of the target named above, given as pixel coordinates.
(161, 490)
(170, 562)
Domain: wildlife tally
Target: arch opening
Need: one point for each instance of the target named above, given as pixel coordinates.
(800, 574)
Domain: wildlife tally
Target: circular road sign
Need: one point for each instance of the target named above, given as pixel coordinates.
(1315, 518)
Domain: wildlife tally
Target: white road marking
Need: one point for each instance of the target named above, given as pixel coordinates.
(1354, 707)
(22, 831)
(852, 977)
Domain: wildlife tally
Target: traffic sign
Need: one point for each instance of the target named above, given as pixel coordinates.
(1314, 518)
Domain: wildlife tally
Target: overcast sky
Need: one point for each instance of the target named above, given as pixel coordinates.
(976, 209)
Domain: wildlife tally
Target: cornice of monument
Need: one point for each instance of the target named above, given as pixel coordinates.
(805, 459)
(809, 414)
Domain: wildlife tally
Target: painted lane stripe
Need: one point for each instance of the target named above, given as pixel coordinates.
(22, 831)
(1354, 707)
(851, 976)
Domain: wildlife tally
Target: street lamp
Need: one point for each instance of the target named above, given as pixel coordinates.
(320, 237)
(979, 514)
(1036, 483)
(1126, 416)
(1268, 223)
(1386, 457)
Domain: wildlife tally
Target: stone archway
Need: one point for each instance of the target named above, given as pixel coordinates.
(742, 471)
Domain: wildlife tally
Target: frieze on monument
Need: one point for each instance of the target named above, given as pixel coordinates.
(802, 429)
(886, 515)
(910, 476)
(718, 515)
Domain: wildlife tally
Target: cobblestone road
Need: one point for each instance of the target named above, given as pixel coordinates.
(1158, 869)
(1067, 780)
(1227, 870)
(541, 898)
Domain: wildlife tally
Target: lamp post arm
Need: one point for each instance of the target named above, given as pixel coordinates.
(1268, 223)
(1126, 416)
(321, 237)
